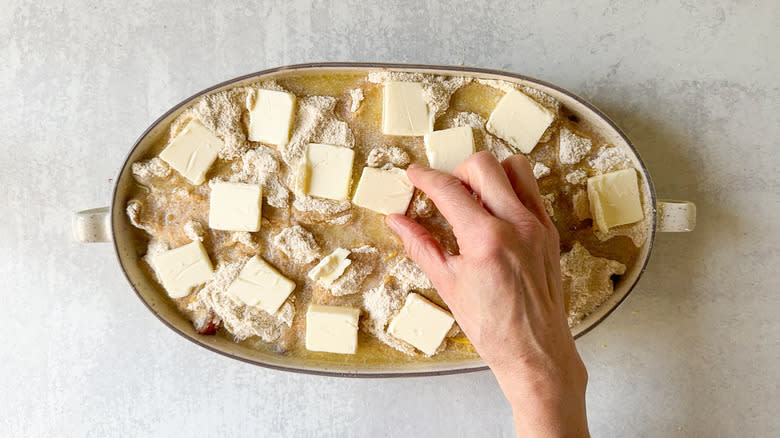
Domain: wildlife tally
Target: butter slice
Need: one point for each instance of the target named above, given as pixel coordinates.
(183, 268)
(331, 267)
(332, 329)
(261, 286)
(270, 116)
(449, 147)
(327, 171)
(519, 120)
(614, 199)
(385, 191)
(193, 151)
(235, 206)
(421, 323)
(404, 109)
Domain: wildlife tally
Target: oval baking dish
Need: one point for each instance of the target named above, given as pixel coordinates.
(113, 224)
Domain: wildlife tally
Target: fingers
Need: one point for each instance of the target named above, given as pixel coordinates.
(484, 174)
(453, 200)
(521, 177)
(421, 247)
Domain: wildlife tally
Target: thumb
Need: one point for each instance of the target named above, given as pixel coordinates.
(421, 247)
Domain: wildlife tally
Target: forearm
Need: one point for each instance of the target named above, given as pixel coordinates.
(546, 405)
(551, 418)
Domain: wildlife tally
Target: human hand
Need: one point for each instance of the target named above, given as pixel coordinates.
(504, 287)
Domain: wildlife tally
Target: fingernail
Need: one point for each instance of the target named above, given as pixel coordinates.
(414, 166)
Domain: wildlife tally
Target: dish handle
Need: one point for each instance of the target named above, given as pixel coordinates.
(676, 216)
(92, 225)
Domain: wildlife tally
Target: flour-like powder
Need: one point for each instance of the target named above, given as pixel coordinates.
(437, 90)
(571, 147)
(577, 177)
(298, 244)
(540, 170)
(261, 166)
(240, 320)
(363, 260)
(409, 275)
(484, 140)
(588, 280)
(610, 159)
(383, 155)
(356, 97)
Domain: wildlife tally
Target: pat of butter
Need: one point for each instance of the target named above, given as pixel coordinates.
(193, 151)
(260, 285)
(270, 116)
(235, 207)
(332, 329)
(404, 109)
(449, 147)
(327, 171)
(183, 268)
(384, 191)
(421, 323)
(519, 120)
(331, 267)
(614, 199)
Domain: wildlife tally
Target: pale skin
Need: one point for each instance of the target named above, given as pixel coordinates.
(504, 287)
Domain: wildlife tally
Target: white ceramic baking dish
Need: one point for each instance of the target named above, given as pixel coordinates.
(111, 224)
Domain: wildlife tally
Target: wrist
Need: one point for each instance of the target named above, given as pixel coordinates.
(550, 412)
(546, 400)
(540, 393)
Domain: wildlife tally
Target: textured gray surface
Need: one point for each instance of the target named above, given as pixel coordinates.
(693, 351)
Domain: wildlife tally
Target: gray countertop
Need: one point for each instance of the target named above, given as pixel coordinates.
(693, 351)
